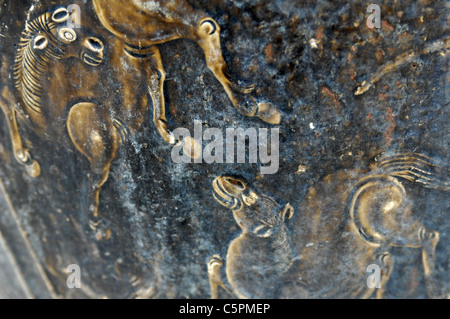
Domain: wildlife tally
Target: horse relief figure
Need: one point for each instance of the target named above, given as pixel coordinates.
(263, 249)
(44, 100)
(96, 121)
(142, 25)
(60, 74)
(347, 222)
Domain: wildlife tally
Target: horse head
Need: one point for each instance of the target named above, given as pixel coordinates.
(48, 38)
(70, 38)
(255, 213)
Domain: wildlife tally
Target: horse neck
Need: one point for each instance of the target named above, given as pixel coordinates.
(30, 67)
(281, 249)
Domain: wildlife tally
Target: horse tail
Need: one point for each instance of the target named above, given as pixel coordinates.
(416, 168)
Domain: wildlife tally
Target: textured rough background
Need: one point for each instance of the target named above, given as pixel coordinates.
(164, 222)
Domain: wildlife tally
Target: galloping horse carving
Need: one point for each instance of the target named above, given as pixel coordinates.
(347, 222)
(96, 121)
(142, 25)
(45, 100)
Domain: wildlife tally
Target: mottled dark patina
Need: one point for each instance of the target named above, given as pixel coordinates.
(307, 59)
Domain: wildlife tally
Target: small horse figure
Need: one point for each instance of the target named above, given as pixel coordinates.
(97, 122)
(142, 25)
(263, 246)
(346, 223)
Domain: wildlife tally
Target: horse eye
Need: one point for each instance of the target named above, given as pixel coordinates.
(262, 231)
(60, 15)
(95, 44)
(67, 35)
(249, 200)
(40, 42)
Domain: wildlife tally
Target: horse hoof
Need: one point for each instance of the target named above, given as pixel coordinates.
(101, 233)
(170, 138)
(214, 262)
(268, 113)
(165, 133)
(33, 169)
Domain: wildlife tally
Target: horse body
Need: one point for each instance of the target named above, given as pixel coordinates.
(262, 253)
(347, 223)
(148, 23)
(332, 254)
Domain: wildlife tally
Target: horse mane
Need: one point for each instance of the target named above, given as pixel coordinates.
(31, 66)
(416, 168)
(267, 213)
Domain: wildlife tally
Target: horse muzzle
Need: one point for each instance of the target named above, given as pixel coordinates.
(228, 191)
(93, 51)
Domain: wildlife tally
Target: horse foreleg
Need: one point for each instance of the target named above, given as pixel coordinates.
(430, 239)
(94, 135)
(387, 265)
(215, 264)
(156, 78)
(208, 37)
(21, 154)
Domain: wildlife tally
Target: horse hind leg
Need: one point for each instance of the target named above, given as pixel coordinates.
(426, 239)
(21, 154)
(149, 59)
(207, 35)
(94, 135)
(429, 240)
(156, 76)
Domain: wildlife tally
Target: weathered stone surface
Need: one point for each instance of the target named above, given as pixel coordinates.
(159, 220)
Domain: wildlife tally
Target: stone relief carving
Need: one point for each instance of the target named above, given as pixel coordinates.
(347, 221)
(97, 124)
(352, 217)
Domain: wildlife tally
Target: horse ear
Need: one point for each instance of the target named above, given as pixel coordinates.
(287, 212)
(60, 15)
